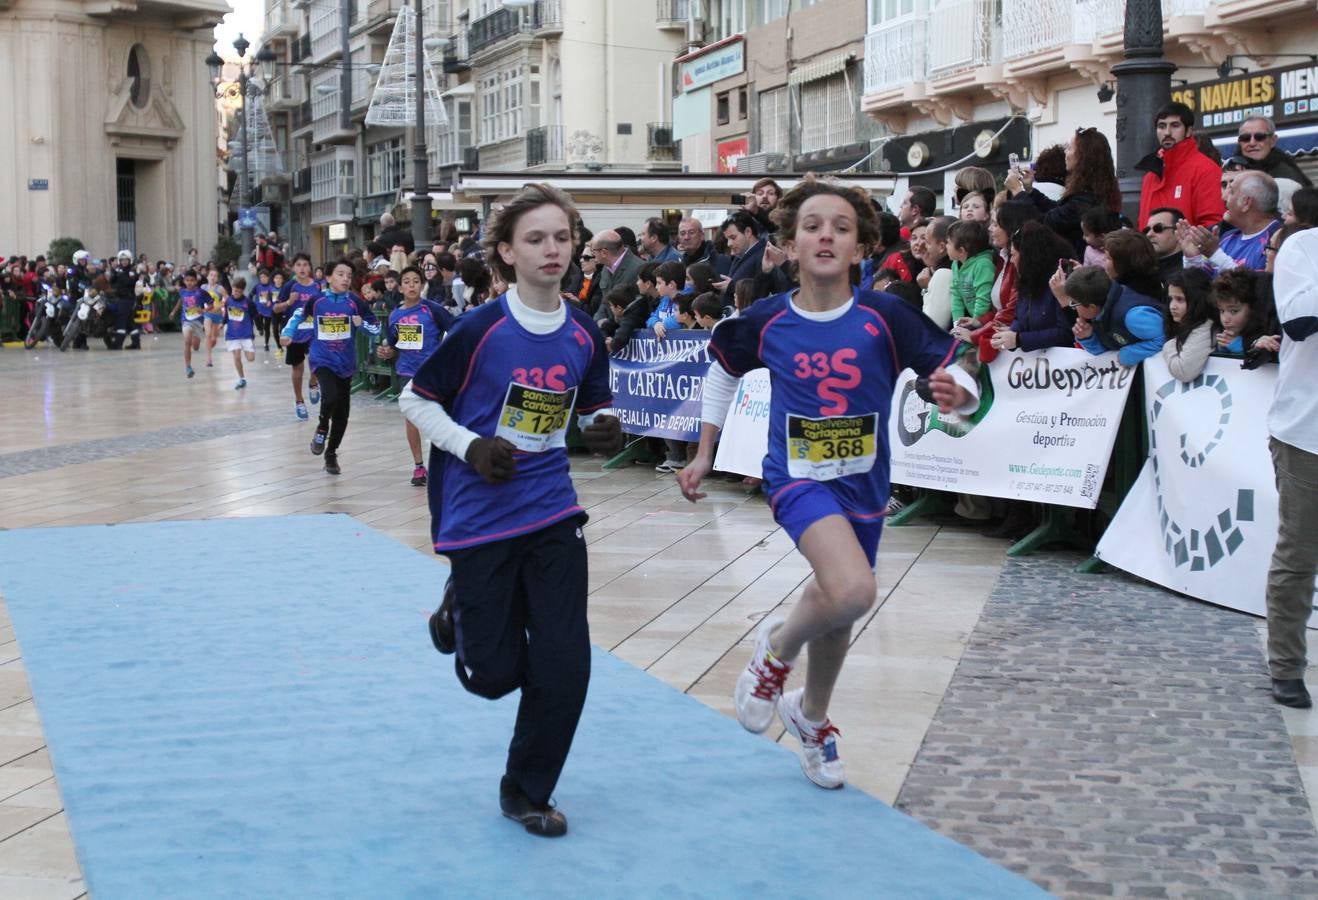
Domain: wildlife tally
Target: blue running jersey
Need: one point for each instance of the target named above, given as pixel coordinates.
(496, 378)
(238, 316)
(333, 344)
(264, 295)
(415, 332)
(832, 390)
(301, 294)
(192, 300)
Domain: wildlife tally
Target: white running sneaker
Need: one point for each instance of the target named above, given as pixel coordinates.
(818, 740)
(761, 683)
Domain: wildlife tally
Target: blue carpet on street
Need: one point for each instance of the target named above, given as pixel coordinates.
(252, 708)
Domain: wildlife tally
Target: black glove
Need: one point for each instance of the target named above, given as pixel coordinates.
(603, 435)
(492, 458)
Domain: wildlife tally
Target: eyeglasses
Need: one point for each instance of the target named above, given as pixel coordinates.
(1159, 229)
(1257, 137)
(587, 258)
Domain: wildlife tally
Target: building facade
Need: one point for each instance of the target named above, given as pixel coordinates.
(532, 86)
(111, 133)
(962, 82)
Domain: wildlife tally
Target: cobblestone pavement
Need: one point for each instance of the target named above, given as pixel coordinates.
(1104, 737)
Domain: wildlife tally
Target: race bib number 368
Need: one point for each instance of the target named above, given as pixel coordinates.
(533, 419)
(831, 447)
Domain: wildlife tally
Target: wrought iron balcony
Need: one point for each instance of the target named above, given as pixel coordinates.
(674, 13)
(544, 145)
(456, 56)
(506, 22)
(961, 36)
(895, 55)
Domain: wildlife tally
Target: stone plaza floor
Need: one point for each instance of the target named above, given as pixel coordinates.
(1098, 735)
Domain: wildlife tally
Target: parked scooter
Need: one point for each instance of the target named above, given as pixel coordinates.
(86, 319)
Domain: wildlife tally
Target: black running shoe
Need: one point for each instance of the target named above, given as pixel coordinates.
(332, 464)
(441, 622)
(543, 821)
(318, 443)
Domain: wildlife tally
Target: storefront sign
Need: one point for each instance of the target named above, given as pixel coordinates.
(731, 151)
(715, 63)
(1283, 95)
(1202, 518)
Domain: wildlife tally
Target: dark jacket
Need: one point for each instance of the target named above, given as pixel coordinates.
(1280, 164)
(1063, 216)
(706, 253)
(748, 266)
(633, 320)
(628, 268)
(396, 236)
(1041, 322)
(1168, 265)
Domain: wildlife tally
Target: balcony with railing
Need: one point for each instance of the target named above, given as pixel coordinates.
(543, 17)
(659, 143)
(544, 146)
(896, 55)
(380, 15)
(962, 35)
(457, 58)
(675, 13)
(280, 18)
(302, 115)
(284, 92)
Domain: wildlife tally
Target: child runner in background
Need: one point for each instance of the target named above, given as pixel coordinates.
(292, 297)
(193, 303)
(263, 305)
(214, 312)
(415, 330)
(239, 316)
(494, 402)
(277, 319)
(833, 355)
(336, 314)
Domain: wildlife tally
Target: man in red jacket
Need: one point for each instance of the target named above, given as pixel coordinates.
(1178, 175)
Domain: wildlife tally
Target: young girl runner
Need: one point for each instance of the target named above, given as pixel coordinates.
(833, 354)
(239, 330)
(335, 315)
(494, 402)
(216, 296)
(415, 330)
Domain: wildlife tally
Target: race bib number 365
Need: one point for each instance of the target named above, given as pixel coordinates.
(410, 337)
(831, 447)
(534, 420)
(333, 328)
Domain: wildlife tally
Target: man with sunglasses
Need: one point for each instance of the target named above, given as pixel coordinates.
(1160, 229)
(1178, 174)
(1257, 140)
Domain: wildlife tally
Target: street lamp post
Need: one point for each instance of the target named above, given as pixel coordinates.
(1144, 85)
(420, 173)
(263, 57)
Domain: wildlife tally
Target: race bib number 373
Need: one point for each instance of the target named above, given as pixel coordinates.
(533, 419)
(333, 328)
(831, 447)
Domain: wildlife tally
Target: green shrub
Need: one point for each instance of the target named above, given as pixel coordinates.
(62, 250)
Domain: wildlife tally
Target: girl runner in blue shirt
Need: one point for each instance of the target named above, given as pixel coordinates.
(833, 353)
(495, 401)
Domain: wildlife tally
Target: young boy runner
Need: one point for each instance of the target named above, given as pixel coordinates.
(833, 354)
(292, 297)
(193, 302)
(415, 330)
(495, 402)
(335, 314)
(239, 329)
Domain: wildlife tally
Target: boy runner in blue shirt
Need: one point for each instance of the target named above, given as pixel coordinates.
(415, 329)
(335, 315)
(193, 303)
(239, 313)
(495, 402)
(264, 297)
(293, 296)
(833, 353)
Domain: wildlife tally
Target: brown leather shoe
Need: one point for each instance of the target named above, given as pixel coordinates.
(543, 821)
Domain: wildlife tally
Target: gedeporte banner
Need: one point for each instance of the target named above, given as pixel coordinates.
(657, 383)
(1202, 518)
(1044, 429)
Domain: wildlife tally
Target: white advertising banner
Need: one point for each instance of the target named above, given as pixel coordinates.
(745, 435)
(1044, 429)
(1202, 518)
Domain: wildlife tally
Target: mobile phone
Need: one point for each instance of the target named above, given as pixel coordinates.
(1067, 265)
(739, 199)
(1013, 161)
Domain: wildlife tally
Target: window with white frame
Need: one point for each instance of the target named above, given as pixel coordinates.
(775, 110)
(502, 95)
(326, 103)
(828, 113)
(324, 18)
(435, 17)
(384, 166)
(770, 10)
(732, 17)
(323, 180)
(882, 11)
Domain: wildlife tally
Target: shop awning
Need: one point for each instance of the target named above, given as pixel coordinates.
(1301, 140)
(821, 67)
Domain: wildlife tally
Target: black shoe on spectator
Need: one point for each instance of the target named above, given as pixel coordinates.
(1291, 692)
(441, 622)
(544, 821)
(332, 464)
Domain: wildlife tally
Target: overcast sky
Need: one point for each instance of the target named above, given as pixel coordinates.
(248, 18)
